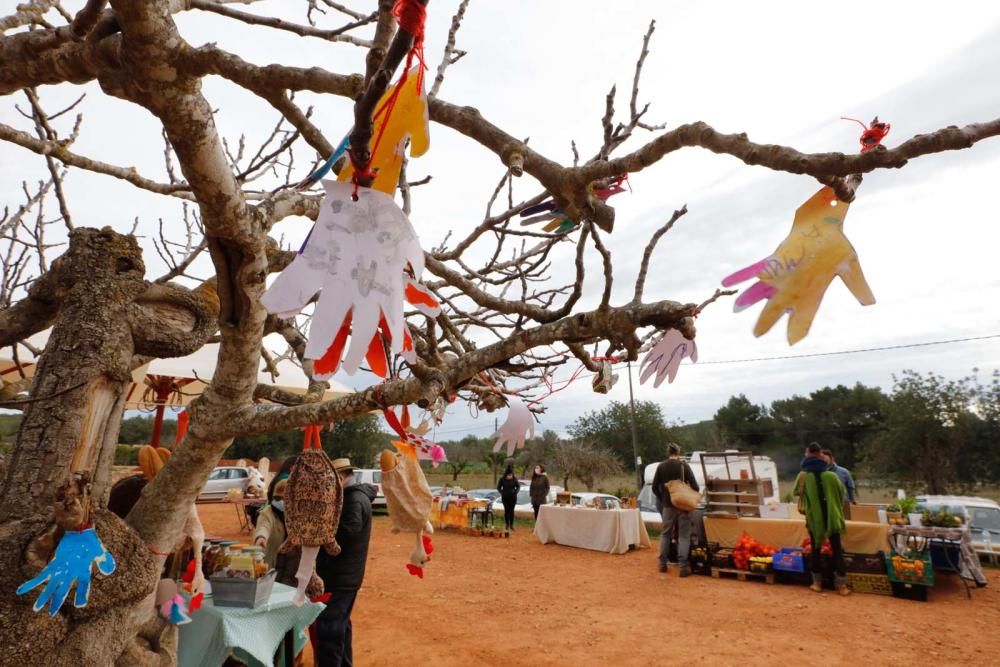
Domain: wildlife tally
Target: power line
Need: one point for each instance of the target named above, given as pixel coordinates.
(856, 351)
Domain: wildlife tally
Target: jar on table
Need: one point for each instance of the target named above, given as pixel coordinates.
(222, 559)
(259, 565)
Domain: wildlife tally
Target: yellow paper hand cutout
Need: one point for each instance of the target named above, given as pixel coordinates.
(795, 278)
(406, 119)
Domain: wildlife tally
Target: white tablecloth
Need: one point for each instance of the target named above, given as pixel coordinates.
(612, 531)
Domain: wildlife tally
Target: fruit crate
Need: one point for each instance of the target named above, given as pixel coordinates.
(914, 568)
(722, 558)
(863, 582)
(789, 559)
(909, 592)
(865, 563)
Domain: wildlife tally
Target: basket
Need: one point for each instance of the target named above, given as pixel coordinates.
(865, 563)
(789, 559)
(248, 593)
(913, 568)
(876, 584)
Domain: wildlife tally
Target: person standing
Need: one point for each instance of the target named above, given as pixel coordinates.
(674, 468)
(508, 486)
(822, 495)
(342, 574)
(539, 489)
(844, 474)
(270, 531)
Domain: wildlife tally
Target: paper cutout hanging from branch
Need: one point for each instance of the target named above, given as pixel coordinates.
(400, 117)
(520, 424)
(795, 277)
(666, 356)
(412, 443)
(77, 552)
(558, 220)
(365, 258)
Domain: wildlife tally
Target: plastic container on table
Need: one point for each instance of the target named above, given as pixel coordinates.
(238, 592)
(916, 519)
(789, 559)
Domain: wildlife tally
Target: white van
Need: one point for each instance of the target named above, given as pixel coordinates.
(763, 466)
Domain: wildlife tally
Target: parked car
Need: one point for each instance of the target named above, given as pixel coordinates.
(484, 494)
(373, 477)
(222, 479)
(647, 507)
(983, 515)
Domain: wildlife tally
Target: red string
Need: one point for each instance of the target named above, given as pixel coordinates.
(411, 15)
(873, 134)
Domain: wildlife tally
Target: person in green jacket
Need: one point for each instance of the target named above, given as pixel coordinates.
(822, 495)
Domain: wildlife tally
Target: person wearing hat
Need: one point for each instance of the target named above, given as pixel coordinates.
(342, 574)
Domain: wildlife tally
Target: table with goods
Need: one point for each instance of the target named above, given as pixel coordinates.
(462, 513)
(890, 558)
(613, 531)
(245, 613)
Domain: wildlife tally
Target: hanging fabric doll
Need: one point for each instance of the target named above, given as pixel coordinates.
(519, 425)
(365, 259)
(409, 500)
(313, 501)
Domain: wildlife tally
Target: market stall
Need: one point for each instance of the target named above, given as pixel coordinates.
(861, 536)
(250, 635)
(612, 531)
(454, 511)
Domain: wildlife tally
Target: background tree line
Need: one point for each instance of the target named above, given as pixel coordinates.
(928, 434)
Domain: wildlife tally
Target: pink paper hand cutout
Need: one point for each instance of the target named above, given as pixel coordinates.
(665, 357)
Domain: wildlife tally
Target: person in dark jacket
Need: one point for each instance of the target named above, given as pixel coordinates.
(342, 574)
(539, 489)
(674, 468)
(508, 486)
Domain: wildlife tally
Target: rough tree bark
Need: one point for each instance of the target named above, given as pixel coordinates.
(71, 423)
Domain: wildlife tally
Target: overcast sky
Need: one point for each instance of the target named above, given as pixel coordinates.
(927, 235)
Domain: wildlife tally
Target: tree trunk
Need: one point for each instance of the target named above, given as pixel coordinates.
(71, 424)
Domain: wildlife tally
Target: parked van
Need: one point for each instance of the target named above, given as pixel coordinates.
(763, 466)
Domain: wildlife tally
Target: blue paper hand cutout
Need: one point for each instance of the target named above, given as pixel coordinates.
(70, 565)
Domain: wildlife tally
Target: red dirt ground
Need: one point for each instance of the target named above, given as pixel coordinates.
(517, 602)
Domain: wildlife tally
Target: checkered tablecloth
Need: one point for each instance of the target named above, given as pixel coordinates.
(250, 635)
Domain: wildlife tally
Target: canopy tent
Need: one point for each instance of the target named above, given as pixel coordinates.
(176, 382)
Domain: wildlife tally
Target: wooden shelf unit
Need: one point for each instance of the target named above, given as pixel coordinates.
(738, 496)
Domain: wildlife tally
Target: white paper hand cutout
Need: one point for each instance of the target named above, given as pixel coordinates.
(512, 432)
(361, 255)
(665, 357)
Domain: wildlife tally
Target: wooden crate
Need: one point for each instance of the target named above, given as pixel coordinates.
(876, 584)
(742, 575)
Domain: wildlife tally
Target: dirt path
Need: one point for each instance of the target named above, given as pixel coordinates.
(517, 602)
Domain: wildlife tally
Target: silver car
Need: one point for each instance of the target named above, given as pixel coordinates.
(222, 479)
(373, 477)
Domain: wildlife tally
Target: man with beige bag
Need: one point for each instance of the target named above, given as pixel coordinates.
(677, 490)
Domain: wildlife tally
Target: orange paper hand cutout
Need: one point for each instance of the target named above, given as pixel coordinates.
(795, 277)
(395, 123)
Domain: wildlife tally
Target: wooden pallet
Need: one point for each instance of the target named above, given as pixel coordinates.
(743, 575)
